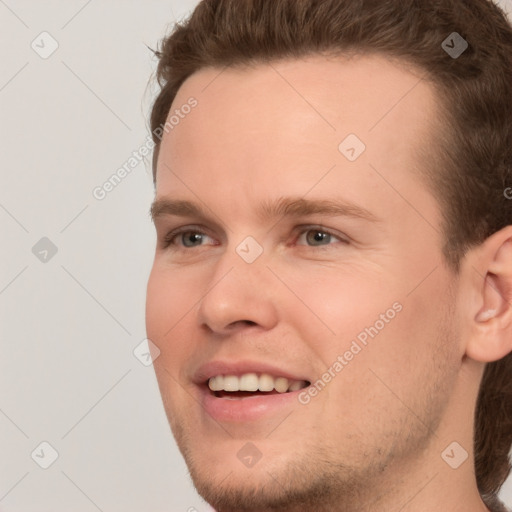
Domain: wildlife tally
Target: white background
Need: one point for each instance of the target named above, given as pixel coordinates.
(68, 326)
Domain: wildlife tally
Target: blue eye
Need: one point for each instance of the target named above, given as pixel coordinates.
(187, 237)
(191, 238)
(318, 237)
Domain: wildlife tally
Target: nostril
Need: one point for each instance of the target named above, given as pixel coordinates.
(239, 323)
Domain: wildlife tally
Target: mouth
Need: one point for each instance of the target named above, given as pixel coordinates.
(244, 392)
(247, 398)
(251, 385)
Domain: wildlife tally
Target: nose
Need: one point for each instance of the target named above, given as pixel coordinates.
(239, 295)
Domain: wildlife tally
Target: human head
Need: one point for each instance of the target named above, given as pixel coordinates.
(469, 157)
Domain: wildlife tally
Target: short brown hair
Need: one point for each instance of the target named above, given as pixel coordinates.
(473, 153)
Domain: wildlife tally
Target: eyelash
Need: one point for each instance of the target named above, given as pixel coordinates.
(173, 235)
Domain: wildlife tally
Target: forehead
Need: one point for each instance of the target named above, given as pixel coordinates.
(283, 125)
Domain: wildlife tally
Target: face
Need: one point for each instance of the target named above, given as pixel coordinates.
(299, 262)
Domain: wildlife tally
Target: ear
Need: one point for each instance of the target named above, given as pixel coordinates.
(491, 331)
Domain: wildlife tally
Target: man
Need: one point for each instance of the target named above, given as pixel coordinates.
(331, 293)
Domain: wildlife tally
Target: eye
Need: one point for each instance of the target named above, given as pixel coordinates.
(190, 237)
(185, 237)
(318, 237)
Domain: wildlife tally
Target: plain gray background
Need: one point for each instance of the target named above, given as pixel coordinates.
(70, 321)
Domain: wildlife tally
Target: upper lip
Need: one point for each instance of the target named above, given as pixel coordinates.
(214, 368)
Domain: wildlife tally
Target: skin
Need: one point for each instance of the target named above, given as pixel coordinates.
(372, 439)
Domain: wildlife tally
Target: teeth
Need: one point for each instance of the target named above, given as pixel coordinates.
(281, 385)
(231, 383)
(266, 382)
(248, 382)
(251, 382)
(296, 385)
(216, 383)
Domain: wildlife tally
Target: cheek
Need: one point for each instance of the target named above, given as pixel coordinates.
(337, 304)
(167, 304)
(157, 303)
(168, 299)
(168, 309)
(379, 321)
(416, 353)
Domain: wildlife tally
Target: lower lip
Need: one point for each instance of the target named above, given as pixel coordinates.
(241, 410)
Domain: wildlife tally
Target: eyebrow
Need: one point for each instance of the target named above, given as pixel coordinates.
(282, 207)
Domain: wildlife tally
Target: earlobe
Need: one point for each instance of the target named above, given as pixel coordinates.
(491, 337)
